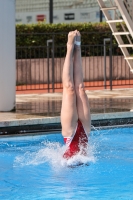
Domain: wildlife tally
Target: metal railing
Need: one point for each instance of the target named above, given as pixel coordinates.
(40, 67)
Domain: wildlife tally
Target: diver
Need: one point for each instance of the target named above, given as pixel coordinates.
(75, 111)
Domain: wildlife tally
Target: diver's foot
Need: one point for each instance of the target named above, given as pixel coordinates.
(77, 43)
(71, 39)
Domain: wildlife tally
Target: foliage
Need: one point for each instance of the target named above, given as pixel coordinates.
(31, 40)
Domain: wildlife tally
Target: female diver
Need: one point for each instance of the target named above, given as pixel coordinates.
(75, 111)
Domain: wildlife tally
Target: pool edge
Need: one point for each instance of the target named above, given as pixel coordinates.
(50, 124)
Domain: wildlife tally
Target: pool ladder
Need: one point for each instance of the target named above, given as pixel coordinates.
(121, 16)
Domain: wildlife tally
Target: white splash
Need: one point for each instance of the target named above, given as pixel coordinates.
(52, 153)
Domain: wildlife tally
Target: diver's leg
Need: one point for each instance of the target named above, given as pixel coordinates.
(69, 111)
(83, 107)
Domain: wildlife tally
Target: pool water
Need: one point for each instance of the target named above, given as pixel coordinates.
(32, 167)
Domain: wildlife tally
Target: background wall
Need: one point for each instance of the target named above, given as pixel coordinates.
(35, 71)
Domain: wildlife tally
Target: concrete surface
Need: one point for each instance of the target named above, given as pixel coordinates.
(42, 108)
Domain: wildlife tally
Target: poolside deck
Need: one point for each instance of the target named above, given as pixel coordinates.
(44, 108)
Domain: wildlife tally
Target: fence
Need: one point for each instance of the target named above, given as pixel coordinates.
(40, 67)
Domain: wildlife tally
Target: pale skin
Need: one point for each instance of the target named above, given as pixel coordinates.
(75, 104)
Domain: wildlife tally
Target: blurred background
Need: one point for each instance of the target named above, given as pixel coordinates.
(67, 11)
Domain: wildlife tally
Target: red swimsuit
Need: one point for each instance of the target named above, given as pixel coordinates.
(78, 143)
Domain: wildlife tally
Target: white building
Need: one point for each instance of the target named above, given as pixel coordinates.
(32, 11)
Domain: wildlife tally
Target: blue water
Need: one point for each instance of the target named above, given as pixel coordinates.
(32, 167)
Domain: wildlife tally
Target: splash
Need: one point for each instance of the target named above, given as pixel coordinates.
(52, 154)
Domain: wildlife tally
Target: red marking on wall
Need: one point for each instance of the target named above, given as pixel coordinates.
(40, 18)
